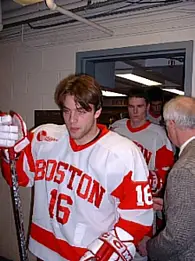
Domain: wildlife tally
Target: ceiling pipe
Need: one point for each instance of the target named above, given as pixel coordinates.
(52, 6)
(1, 21)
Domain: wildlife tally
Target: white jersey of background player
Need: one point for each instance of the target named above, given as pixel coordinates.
(149, 137)
(92, 196)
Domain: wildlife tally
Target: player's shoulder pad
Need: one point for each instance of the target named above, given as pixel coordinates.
(126, 153)
(120, 145)
(157, 128)
(49, 132)
(119, 123)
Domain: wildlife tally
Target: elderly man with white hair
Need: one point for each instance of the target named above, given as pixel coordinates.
(176, 242)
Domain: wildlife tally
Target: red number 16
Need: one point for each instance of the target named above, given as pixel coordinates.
(62, 212)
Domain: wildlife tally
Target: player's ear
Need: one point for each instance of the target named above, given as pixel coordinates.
(97, 113)
(172, 124)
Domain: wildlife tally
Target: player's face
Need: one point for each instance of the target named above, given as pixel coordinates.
(137, 109)
(156, 107)
(80, 123)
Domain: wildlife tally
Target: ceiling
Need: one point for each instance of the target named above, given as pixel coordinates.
(14, 14)
(38, 18)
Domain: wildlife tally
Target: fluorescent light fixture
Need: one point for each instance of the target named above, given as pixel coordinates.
(174, 91)
(139, 79)
(112, 94)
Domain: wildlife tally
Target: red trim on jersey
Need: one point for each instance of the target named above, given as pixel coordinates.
(28, 152)
(59, 246)
(144, 126)
(164, 158)
(127, 195)
(134, 229)
(76, 147)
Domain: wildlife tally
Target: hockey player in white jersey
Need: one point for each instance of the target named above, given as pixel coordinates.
(92, 196)
(150, 138)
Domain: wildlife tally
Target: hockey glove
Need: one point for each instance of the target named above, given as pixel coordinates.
(156, 182)
(13, 132)
(108, 247)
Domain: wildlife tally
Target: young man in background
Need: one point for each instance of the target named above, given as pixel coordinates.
(150, 138)
(153, 143)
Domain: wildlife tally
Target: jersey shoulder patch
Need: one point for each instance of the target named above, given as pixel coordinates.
(49, 132)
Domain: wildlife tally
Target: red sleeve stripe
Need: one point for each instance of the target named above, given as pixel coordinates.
(28, 153)
(137, 231)
(26, 158)
(164, 158)
(142, 217)
(127, 193)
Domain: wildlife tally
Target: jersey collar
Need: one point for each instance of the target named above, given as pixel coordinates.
(76, 147)
(144, 126)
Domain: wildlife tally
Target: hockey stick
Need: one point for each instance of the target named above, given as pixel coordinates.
(17, 208)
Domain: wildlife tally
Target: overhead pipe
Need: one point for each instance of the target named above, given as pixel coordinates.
(1, 20)
(34, 11)
(52, 6)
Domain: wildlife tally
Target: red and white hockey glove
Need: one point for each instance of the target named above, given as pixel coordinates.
(13, 132)
(108, 247)
(156, 182)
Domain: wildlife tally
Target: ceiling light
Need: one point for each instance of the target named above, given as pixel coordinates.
(139, 79)
(113, 94)
(174, 91)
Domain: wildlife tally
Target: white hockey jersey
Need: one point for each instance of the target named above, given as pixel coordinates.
(82, 191)
(154, 145)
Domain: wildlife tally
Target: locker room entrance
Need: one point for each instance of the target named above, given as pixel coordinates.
(101, 64)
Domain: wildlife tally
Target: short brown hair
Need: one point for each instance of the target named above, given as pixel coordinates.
(83, 87)
(138, 92)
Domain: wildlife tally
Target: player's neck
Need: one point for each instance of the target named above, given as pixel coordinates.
(89, 137)
(136, 124)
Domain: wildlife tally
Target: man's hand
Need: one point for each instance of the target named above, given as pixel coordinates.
(157, 203)
(13, 132)
(142, 246)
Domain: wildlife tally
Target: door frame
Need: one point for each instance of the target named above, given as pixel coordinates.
(85, 61)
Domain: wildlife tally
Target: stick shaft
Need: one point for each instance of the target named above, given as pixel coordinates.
(17, 208)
